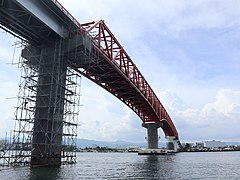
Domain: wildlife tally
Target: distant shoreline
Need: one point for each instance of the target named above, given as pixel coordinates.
(211, 150)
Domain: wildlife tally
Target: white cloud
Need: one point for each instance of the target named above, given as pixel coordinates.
(7, 90)
(9, 78)
(227, 102)
(158, 16)
(7, 47)
(218, 119)
(103, 117)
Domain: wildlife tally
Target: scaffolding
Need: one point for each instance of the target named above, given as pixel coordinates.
(71, 114)
(47, 106)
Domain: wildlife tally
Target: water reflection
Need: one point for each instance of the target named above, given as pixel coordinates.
(152, 163)
(121, 166)
(151, 167)
(156, 167)
(46, 173)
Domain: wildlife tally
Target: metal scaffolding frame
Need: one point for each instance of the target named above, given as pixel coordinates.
(71, 114)
(19, 149)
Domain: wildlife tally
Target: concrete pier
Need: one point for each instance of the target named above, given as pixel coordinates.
(152, 134)
(50, 64)
(48, 125)
(49, 109)
(172, 144)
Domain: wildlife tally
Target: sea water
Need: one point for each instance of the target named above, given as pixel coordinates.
(194, 165)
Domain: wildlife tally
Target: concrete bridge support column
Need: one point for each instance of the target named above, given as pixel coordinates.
(49, 108)
(49, 63)
(48, 124)
(172, 144)
(152, 134)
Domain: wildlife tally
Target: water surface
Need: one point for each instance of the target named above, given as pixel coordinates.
(201, 165)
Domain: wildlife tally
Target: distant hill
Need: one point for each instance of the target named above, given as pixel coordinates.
(111, 144)
(120, 144)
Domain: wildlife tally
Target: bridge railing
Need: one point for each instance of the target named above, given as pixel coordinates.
(65, 11)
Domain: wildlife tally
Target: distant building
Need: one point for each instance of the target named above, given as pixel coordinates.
(133, 148)
(199, 145)
(184, 144)
(214, 144)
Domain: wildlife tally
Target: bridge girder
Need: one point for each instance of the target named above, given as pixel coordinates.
(37, 21)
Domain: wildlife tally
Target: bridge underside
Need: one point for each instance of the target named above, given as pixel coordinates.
(96, 66)
(26, 19)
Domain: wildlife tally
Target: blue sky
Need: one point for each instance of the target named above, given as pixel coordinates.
(189, 52)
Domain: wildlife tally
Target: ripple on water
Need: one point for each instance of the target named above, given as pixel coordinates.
(221, 165)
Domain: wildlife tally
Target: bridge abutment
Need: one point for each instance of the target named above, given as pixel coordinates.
(152, 134)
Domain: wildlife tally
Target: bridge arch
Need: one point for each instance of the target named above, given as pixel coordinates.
(168, 128)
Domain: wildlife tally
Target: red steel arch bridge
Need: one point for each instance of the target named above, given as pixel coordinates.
(55, 41)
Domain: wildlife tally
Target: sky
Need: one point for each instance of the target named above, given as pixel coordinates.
(188, 51)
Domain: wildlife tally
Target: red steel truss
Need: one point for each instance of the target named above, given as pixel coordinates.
(114, 71)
